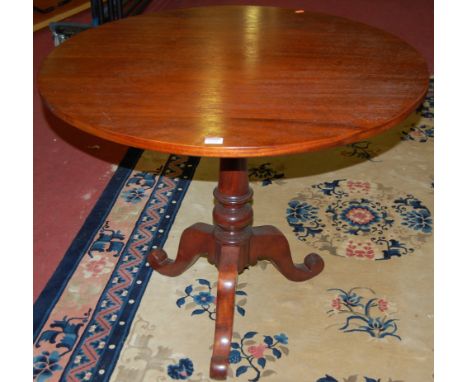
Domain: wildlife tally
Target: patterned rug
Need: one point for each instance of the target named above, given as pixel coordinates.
(365, 207)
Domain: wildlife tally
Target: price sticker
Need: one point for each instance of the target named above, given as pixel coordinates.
(214, 141)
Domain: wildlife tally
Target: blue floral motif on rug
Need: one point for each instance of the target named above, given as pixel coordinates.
(359, 219)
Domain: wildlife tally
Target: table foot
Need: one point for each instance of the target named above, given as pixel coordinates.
(268, 243)
(196, 241)
(225, 300)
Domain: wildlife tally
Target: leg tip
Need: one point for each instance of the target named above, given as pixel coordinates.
(314, 262)
(218, 368)
(157, 258)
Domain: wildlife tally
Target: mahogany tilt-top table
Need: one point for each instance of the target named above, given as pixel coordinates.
(233, 82)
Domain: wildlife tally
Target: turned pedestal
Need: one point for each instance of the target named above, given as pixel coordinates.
(232, 244)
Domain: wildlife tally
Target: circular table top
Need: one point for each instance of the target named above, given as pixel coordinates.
(233, 81)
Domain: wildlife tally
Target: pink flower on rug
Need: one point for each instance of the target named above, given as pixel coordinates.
(359, 186)
(360, 216)
(360, 250)
(336, 303)
(383, 305)
(97, 266)
(257, 351)
(416, 134)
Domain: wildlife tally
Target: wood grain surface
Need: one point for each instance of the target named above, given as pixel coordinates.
(268, 81)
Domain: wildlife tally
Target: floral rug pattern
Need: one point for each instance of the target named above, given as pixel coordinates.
(354, 378)
(370, 315)
(251, 355)
(201, 298)
(106, 316)
(359, 219)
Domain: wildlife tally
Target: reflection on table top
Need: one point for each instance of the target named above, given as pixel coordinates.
(233, 81)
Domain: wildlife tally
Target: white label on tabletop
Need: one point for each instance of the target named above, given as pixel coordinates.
(213, 140)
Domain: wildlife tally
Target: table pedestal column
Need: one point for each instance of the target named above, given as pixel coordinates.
(232, 244)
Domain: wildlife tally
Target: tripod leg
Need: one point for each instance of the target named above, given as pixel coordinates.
(225, 301)
(197, 240)
(268, 243)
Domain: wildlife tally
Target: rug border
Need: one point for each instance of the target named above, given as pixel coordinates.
(57, 282)
(109, 359)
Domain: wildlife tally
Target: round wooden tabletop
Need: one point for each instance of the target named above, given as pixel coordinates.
(233, 81)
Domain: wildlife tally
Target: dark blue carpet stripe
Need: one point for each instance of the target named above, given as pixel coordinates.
(55, 286)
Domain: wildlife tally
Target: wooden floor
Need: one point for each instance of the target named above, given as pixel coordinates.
(42, 20)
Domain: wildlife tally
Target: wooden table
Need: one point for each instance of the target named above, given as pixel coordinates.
(233, 82)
